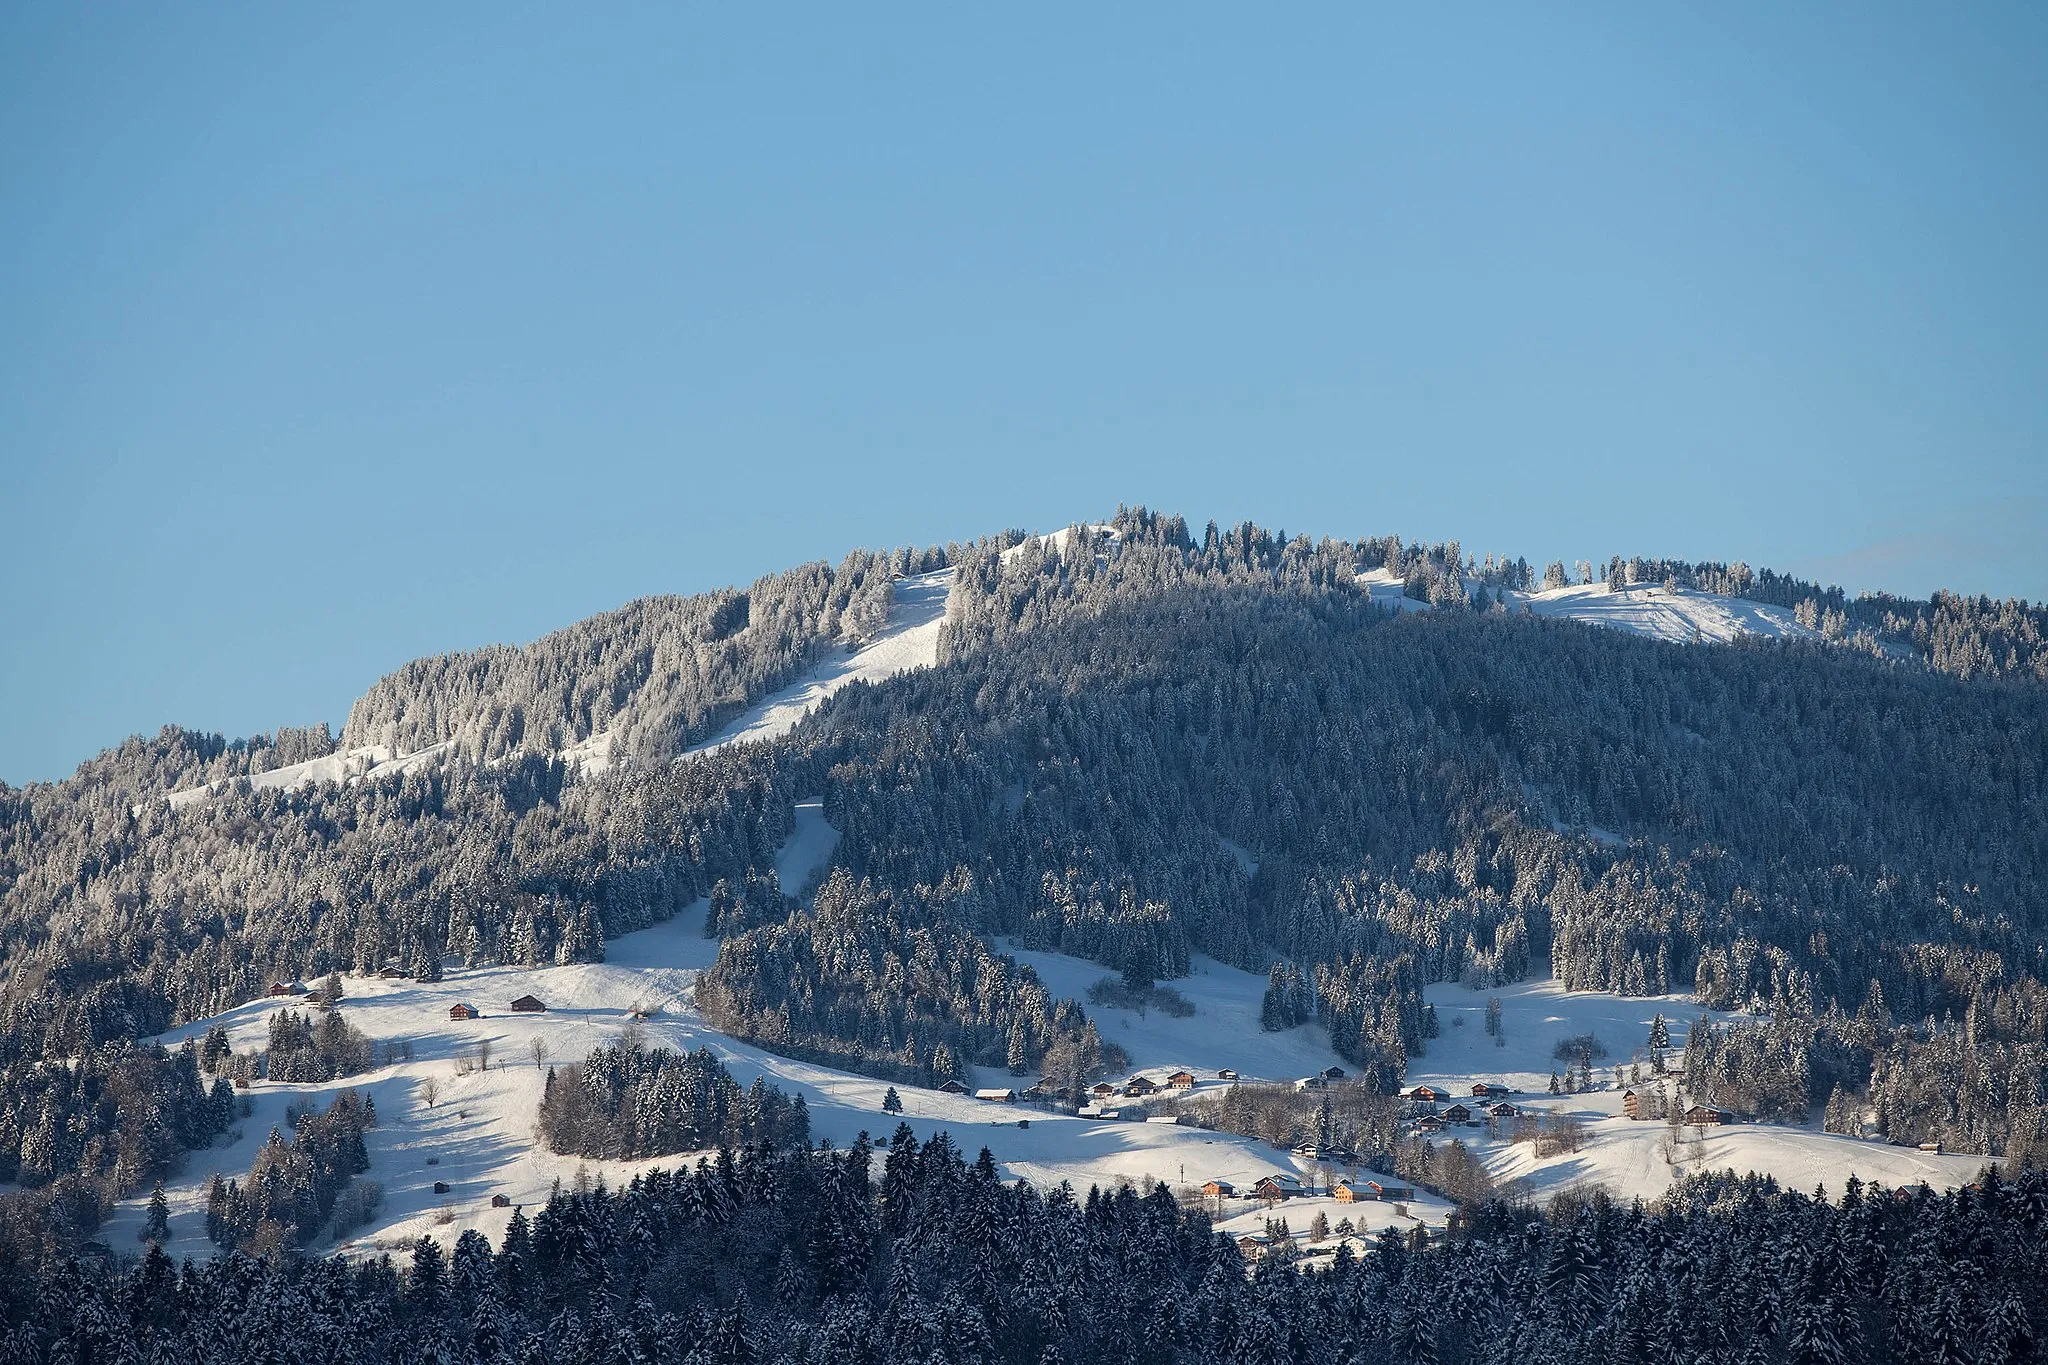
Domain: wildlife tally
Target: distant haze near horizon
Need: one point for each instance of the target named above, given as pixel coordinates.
(335, 340)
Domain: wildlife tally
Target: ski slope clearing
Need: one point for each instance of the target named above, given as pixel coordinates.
(368, 764)
(910, 640)
(1631, 1158)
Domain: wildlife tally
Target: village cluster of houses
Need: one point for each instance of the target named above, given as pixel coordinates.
(1431, 1108)
(1273, 1189)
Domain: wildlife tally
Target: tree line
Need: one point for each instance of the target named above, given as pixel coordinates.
(910, 1253)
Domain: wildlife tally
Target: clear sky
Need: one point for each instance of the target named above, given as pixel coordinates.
(328, 339)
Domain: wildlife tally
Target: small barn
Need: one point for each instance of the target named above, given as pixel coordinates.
(440, 1187)
(464, 1010)
(950, 1086)
(1390, 1192)
(529, 1004)
(997, 1095)
(501, 1201)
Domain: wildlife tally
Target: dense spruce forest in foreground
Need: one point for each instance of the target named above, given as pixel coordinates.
(1141, 743)
(911, 1254)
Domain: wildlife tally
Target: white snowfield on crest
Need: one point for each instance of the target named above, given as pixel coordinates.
(1676, 615)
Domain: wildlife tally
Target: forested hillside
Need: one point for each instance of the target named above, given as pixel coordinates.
(1849, 844)
(1140, 744)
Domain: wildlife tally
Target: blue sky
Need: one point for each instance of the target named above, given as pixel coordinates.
(330, 339)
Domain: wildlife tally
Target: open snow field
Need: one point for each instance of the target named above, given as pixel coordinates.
(1626, 1155)
(1389, 589)
(1679, 616)
(1055, 542)
(1223, 1031)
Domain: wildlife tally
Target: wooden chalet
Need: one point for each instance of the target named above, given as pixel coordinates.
(1219, 1189)
(1428, 1094)
(1347, 1192)
(1278, 1187)
(1253, 1245)
(464, 1010)
(1102, 1088)
(280, 988)
(1707, 1116)
(997, 1095)
(1457, 1113)
(1632, 1105)
(952, 1087)
(528, 1004)
(1503, 1110)
(1311, 1083)
(1227, 1074)
(1333, 1073)
(1390, 1192)
(1487, 1090)
(1430, 1123)
(390, 974)
(1181, 1080)
(1138, 1087)
(501, 1201)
